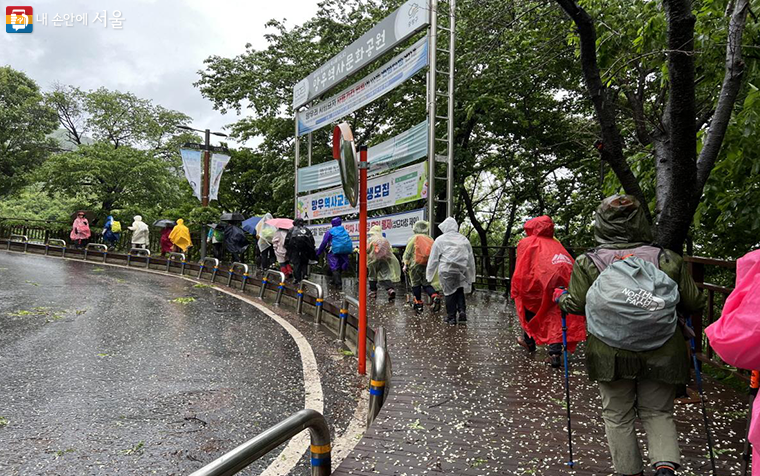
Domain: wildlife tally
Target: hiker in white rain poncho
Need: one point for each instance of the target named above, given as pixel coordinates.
(382, 264)
(452, 257)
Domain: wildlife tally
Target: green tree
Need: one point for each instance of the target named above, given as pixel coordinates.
(25, 122)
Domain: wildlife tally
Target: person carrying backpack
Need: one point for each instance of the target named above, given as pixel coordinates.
(299, 243)
(382, 264)
(543, 264)
(451, 256)
(111, 232)
(341, 247)
(629, 292)
(415, 261)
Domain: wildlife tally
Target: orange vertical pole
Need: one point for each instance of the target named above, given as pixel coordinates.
(362, 344)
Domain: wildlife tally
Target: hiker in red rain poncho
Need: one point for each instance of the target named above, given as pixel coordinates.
(543, 264)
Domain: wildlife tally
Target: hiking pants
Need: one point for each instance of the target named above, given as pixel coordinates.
(455, 302)
(554, 348)
(385, 284)
(652, 402)
(417, 291)
(300, 262)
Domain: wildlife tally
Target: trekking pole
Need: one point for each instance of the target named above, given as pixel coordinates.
(567, 388)
(698, 373)
(754, 383)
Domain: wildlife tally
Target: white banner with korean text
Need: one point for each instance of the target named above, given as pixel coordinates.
(371, 87)
(218, 163)
(400, 186)
(402, 149)
(398, 227)
(191, 163)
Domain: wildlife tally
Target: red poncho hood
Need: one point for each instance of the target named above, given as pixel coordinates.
(543, 264)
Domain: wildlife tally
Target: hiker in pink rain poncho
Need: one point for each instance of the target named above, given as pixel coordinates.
(736, 335)
(80, 231)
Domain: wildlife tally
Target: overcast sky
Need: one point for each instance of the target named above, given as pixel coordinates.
(156, 54)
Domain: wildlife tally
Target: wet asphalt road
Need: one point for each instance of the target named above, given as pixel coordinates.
(101, 373)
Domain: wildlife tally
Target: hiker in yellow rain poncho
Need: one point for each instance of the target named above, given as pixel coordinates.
(382, 264)
(180, 236)
(415, 263)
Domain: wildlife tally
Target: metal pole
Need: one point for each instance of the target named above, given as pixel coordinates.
(308, 221)
(450, 166)
(297, 163)
(362, 339)
(432, 35)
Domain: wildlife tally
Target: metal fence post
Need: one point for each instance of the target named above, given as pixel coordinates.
(379, 375)
(96, 246)
(231, 273)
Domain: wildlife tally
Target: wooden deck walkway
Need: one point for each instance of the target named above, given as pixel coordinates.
(467, 400)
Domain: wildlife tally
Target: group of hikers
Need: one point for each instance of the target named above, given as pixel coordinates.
(629, 300)
(175, 236)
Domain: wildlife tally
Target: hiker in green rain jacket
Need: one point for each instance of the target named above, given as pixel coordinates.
(415, 261)
(635, 383)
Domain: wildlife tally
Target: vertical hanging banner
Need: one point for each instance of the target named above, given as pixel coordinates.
(400, 150)
(407, 20)
(391, 75)
(218, 163)
(191, 163)
(400, 186)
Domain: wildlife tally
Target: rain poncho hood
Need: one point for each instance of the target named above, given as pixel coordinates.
(140, 232)
(234, 239)
(621, 219)
(336, 221)
(452, 257)
(299, 239)
(385, 269)
(265, 232)
(543, 264)
(421, 227)
(736, 335)
(278, 241)
(180, 235)
(80, 229)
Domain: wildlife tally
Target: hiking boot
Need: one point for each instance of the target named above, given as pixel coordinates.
(373, 294)
(417, 306)
(452, 320)
(665, 470)
(436, 302)
(529, 346)
(462, 317)
(391, 294)
(555, 361)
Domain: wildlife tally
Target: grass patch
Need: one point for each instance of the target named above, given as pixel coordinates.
(347, 353)
(60, 453)
(32, 283)
(52, 315)
(3, 422)
(416, 425)
(183, 300)
(202, 286)
(478, 462)
(104, 355)
(98, 270)
(135, 450)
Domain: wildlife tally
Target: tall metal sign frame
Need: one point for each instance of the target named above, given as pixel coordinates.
(441, 21)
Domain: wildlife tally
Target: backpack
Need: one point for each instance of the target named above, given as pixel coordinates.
(632, 304)
(341, 242)
(382, 249)
(422, 246)
(115, 227)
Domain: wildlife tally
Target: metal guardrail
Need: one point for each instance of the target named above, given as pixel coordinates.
(380, 375)
(245, 454)
(172, 256)
(202, 266)
(50, 244)
(137, 252)
(280, 286)
(344, 315)
(231, 273)
(97, 246)
(23, 239)
(320, 299)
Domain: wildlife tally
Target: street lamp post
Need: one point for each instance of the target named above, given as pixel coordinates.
(206, 179)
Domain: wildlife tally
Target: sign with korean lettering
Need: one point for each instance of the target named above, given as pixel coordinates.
(398, 228)
(402, 149)
(392, 30)
(388, 77)
(401, 186)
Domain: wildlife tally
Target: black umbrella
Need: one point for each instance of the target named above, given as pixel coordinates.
(87, 214)
(164, 222)
(234, 216)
